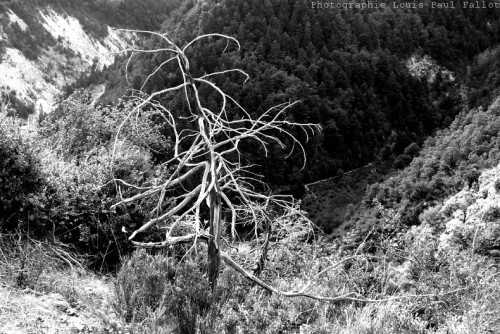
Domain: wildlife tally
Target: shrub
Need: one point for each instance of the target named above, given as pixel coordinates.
(155, 284)
(77, 126)
(492, 214)
(412, 150)
(75, 145)
(141, 285)
(497, 185)
(402, 161)
(20, 176)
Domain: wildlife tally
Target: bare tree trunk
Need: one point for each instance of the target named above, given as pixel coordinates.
(214, 239)
(214, 199)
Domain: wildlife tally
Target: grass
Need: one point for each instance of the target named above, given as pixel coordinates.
(155, 293)
(45, 289)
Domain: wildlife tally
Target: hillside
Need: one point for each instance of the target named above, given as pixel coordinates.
(179, 189)
(38, 78)
(46, 46)
(350, 70)
(448, 162)
(378, 82)
(438, 275)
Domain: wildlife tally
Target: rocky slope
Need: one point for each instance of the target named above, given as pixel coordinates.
(40, 81)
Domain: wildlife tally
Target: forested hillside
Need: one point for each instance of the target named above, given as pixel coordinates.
(169, 149)
(95, 14)
(448, 162)
(346, 67)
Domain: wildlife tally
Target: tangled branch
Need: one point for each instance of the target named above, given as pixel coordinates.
(224, 183)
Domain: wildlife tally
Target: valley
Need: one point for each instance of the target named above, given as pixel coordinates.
(40, 82)
(249, 167)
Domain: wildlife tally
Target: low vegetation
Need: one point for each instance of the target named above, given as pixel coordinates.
(433, 277)
(417, 292)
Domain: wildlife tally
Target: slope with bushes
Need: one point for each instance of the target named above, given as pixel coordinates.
(449, 161)
(58, 176)
(43, 50)
(48, 45)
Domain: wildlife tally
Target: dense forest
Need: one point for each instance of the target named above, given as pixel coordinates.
(347, 68)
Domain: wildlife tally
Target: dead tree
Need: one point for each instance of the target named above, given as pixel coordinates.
(224, 183)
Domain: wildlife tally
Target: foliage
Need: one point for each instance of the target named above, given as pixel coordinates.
(16, 107)
(448, 162)
(345, 67)
(157, 284)
(141, 285)
(76, 154)
(20, 175)
(411, 275)
(438, 275)
(58, 178)
(484, 78)
(78, 126)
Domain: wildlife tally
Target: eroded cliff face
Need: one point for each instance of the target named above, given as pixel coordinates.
(41, 81)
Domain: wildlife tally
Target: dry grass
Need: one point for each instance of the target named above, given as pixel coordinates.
(43, 289)
(65, 298)
(29, 311)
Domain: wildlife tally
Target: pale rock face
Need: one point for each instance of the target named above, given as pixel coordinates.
(14, 18)
(41, 82)
(428, 68)
(26, 78)
(74, 37)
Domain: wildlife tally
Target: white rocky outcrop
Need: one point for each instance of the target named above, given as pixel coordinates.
(426, 67)
(16, 19)
(28, 79)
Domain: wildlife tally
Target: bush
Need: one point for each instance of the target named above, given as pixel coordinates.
(20, 176)
(55, 179)
(402, 161)
(412, 150)
(141, 285)
(176, 293)
(497, 185)
(492, 214)
(74, 145)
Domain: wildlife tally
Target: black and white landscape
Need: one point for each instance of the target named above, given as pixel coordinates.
(223, 166)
